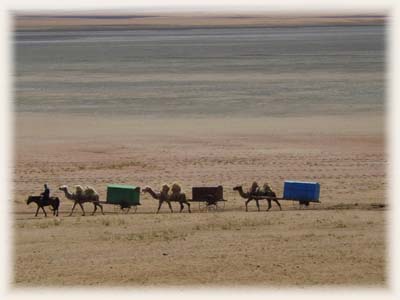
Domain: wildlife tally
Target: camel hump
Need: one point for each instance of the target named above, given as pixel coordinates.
(176, 188)
(165, 188)
(89, 191)
(266, 189)
(266, 186)
(78, 189)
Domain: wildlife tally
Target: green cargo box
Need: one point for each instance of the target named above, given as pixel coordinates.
(126, 195)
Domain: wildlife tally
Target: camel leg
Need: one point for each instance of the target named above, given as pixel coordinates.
(277, 202)
(247, 202)
(269, 205)
(170, 206)
(83, 211)
(258, 205)
(45, 214)
(159, 206)
(95, 208)
(37, 211)
(73, 207)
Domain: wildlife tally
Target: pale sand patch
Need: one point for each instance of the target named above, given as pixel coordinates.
(58, 126)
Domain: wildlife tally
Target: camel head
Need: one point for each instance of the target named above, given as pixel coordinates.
(63, 188)
(238, 187)
(146, 189)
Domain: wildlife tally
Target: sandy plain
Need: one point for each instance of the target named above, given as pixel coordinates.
(341, 241)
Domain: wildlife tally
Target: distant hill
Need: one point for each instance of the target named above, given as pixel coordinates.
(98, 21)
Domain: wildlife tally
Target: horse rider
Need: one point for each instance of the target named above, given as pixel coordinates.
(46, 194)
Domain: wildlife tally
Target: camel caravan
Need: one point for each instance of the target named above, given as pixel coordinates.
(127, 196)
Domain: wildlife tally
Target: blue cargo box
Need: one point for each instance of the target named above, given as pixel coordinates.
(301, 191)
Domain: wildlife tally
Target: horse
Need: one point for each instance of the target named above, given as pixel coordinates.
(54, 202)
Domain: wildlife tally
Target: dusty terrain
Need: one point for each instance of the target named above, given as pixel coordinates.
(341, 241)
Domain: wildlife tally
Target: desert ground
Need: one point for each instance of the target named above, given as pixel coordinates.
(338, 242)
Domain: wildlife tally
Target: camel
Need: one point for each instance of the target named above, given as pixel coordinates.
(81, 196)
(54, 202)
(260, 195)
(178, 196)
(175, 196)
(244, 195)
(161, 197)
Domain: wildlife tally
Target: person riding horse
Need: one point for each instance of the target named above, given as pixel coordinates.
(46, 194)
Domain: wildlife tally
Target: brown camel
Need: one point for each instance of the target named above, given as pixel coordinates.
(178, 196)
(161, 197)
(80, 198)
(247, 196)
(258, 196)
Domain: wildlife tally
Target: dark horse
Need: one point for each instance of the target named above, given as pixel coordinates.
(54, 202)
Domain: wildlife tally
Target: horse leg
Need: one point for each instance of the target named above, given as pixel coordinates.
(73, 207)
(37, 211)
(181, 204)
(277, 202)
(45, 214)
(269, 205)
(188, 205)
(83, 211)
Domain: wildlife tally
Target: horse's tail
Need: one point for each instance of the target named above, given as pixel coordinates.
(55, 203)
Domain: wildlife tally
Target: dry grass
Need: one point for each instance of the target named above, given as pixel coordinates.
(271, 249)
(341, 241)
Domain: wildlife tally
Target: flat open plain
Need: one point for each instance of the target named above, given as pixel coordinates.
(201, 99)
(341, 241)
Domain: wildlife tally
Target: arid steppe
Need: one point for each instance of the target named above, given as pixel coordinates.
(202, 99)
(341, 241)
